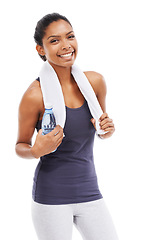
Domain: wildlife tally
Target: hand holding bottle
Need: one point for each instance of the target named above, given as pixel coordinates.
(45, 144)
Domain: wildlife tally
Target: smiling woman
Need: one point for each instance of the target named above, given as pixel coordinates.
(61, 44)
(65, 187)
(57, 41)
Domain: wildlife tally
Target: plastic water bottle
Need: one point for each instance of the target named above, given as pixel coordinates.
(48, 121)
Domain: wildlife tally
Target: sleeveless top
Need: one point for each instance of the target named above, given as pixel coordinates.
(68, 175)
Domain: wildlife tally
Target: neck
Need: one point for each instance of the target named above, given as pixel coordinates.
(63, 74)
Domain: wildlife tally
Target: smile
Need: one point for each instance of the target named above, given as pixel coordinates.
(66, 55)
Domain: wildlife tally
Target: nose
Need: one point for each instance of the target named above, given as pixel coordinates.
(65, 45)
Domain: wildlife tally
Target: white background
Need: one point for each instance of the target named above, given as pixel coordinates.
(122, 40)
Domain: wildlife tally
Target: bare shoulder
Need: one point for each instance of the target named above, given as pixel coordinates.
(33, 91)
(32, 99)
(97, 81)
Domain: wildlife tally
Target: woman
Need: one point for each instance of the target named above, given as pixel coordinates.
(65, 189)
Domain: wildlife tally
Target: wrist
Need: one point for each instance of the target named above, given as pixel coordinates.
(34, 152)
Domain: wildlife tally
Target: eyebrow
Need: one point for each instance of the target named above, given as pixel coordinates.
(58, 35)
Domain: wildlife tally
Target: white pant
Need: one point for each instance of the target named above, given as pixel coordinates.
(55, 222)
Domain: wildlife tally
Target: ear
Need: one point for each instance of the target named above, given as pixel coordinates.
(40, 50)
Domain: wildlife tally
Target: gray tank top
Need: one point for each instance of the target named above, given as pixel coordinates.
(68, 175)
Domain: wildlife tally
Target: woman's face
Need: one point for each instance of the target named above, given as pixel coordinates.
(59, 44)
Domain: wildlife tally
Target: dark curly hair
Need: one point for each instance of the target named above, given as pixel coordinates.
(41, 26)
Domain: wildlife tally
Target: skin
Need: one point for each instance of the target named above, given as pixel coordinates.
(59, 39)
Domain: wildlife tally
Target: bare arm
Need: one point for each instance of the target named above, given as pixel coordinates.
(29, 110)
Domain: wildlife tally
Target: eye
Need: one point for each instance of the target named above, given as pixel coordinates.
(71, 36)
(54, 41)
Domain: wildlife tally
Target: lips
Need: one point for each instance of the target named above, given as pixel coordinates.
(65, 55)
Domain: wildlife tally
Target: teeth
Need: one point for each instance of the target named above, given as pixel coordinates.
(66, 55)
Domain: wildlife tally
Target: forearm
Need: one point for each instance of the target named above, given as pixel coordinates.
(24, 150)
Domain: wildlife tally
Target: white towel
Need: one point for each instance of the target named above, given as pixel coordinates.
(52, 93)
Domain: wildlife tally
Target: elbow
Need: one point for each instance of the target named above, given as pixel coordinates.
(23, 150)
(17, 149)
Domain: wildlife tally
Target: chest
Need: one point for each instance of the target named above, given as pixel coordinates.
(73, 97)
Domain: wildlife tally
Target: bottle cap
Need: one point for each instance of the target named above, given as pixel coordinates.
(48, 106)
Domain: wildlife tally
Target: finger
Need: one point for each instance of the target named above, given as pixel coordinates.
(106, 121)
(109, 134)
(103, 116)
(110, 120)
(109, 129)
(40, 131)
(93, 121)
(58, 143)
(57, 133)
(107, 125)
(56, 130)
(57, 139)
(59, 136)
